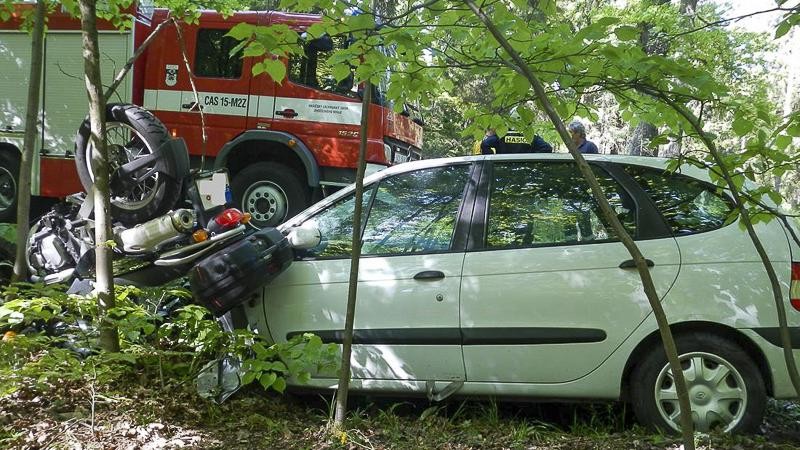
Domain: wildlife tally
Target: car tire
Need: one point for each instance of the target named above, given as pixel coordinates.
(726, 389)
(270, 192)
(9, 185)
(7, 255)
(139, 133)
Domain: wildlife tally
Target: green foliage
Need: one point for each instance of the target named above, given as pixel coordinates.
(8, 232)
(52, 339)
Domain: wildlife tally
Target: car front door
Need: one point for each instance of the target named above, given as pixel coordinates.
(548, 293)
(406, 321)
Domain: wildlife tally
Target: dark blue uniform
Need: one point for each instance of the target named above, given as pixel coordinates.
(588, 147)
(514, 142)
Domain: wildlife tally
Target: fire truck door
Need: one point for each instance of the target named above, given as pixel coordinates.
(323, 112)
(222, 82)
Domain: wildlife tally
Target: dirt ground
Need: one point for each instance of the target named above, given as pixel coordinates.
(137, 417)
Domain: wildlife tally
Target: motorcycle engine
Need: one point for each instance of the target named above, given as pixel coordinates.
(57, 242)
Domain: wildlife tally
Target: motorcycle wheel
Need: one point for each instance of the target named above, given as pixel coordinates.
(132, 132)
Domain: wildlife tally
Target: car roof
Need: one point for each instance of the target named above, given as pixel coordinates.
(648, 161)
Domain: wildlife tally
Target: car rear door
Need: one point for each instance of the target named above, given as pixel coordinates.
(406, 321)
(547, 292)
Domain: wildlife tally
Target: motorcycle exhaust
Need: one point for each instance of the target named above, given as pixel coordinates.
(149, 236)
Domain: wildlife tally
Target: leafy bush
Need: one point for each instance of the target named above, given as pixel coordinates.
(50, 338)
(8, 232)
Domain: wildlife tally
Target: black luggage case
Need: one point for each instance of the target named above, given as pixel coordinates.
(226, 278)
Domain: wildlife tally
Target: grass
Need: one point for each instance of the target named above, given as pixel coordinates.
(136, 416)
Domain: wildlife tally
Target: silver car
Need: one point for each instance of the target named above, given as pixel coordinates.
(496, 275)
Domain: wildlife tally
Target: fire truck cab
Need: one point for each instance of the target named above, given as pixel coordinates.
(284, 143)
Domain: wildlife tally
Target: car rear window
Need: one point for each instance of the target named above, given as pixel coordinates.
(688, 205)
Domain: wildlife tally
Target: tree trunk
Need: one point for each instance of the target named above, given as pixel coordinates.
(347, 341)
(670, 349)
(644, 132)
(790, 72)
(109, 340)
(639, 141)
(29, 142)
(688, 7)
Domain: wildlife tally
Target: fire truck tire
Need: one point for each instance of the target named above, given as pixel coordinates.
(132, 132)
(270, 192)
(7, 254)
(9, 181)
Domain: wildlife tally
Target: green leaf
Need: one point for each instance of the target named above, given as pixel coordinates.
(782, 29)
(341, 71)
(742, 126)
(252, 50)
(627, 33)
(775, 197)
(548, 7)
(304, 377)
(661, 139)
(520, 84)
(793, 130)
(273, 67)
(268, 379)
(278, 366)
(783, 141)
(279, 384)
(241, 31)
(248, 377)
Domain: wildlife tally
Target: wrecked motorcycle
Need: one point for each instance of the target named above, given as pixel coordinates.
(191, 232)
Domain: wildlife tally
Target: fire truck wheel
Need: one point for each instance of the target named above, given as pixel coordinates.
(9, 179)
(7, 254)
(270, 192)
(132, 133)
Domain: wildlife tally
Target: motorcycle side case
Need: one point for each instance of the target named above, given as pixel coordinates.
(228, 277)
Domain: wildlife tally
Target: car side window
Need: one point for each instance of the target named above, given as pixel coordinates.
(336, 228)
(213, 55)
(415, 212)
(688, 205)
(549, 203)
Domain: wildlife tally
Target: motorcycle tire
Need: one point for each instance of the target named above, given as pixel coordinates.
(132, 132)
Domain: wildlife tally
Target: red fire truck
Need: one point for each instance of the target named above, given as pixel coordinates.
(284, 143)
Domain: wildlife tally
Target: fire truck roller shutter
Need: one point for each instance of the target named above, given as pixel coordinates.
(9, 182)
(272, 173)
(134, 133)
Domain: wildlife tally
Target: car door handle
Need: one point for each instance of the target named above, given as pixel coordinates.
(631, 264)
(429, 275)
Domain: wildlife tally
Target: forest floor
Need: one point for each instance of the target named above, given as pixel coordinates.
(155, 417)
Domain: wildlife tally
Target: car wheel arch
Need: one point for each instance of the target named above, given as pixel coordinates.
(726, 332)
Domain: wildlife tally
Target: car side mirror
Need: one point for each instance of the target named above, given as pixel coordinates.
(305, 236)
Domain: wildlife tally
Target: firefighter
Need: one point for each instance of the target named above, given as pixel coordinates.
(512, 142)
